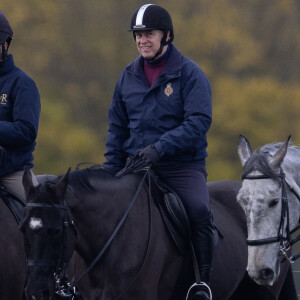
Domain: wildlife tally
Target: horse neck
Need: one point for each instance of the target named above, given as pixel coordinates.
(97, 213)
(291, 167)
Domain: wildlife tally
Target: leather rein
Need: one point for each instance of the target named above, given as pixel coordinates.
(68, 290)
(284, 234)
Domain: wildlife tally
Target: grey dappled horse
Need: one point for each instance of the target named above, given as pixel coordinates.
(269, 197)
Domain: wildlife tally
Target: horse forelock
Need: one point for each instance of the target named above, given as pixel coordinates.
(259, 162)
(44, 193)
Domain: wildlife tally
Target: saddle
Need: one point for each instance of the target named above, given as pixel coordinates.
(169, 203)
(173, 212)
(13, 202)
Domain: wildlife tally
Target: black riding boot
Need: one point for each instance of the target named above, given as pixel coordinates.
(203, 242)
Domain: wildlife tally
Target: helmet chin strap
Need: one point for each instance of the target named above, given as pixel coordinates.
(3, 54)
(157, 53)
(163, 43)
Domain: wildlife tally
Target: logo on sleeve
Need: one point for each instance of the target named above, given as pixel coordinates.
(168, 90)
(3, 99)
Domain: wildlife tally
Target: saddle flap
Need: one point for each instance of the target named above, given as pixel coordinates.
(173, 213)
(177, 213)
(14, 203)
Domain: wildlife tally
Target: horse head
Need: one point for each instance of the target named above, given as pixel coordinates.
(268, 197)
(49, 238)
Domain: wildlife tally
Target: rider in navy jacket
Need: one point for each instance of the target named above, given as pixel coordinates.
(19, 116)
(175, 123)
(161, 108)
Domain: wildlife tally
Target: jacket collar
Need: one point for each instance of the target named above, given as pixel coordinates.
(8, 64)
(172, 66)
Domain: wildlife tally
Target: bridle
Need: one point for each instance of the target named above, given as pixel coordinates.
(284, 234)
(64, 289)
(60, 264)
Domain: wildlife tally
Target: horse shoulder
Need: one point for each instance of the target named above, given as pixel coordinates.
(223, 202)
(230, 222)
(223, 193)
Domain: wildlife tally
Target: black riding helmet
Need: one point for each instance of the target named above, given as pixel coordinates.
(153, 17)
(6, 34)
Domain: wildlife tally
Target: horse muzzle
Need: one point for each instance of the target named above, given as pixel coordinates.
(264, 275)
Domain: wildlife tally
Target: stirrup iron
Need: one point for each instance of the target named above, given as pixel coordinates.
(198, 286)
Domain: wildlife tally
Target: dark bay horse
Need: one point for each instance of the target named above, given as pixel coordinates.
(81, 210)
(13, 267)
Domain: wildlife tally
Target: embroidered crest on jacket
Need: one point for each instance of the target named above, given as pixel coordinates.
(168, 89)
(3, 99)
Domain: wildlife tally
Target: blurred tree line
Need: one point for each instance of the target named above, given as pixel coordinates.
(75, 51)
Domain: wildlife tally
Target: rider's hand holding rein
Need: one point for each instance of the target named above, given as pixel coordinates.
(150, 155)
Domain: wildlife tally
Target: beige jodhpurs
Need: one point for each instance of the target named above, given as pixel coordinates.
(13, 183)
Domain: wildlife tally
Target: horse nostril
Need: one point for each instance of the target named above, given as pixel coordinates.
(266, 274)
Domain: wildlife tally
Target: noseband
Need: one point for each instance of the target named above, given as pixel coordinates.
(284, 234)
(64, 289)
(60, 265)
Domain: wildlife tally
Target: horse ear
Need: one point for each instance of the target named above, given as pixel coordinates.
(27, 182)
(244, 149)
(276, 160)
(62, 185)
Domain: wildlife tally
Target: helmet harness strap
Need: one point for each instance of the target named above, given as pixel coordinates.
(3, 53)
(163, 43)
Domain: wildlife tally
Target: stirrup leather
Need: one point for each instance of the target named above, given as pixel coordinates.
(198, 286)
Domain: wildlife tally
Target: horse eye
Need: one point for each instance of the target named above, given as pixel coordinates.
(274, 202)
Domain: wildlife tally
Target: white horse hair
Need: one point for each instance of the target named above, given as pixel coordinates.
(261, 200)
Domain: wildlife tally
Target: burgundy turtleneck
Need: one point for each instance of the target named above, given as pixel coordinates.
(153, 71)
(155, 68)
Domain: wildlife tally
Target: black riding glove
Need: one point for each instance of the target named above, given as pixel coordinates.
(150, 154)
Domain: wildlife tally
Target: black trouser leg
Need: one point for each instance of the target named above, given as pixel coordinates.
(203, 242)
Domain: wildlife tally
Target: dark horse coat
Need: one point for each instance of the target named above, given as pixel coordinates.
(142, 262)
(12, 256)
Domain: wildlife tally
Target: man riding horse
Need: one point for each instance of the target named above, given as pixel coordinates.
(19, 117)
(162, 105)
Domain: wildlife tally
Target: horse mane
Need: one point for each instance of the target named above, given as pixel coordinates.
(81, 177)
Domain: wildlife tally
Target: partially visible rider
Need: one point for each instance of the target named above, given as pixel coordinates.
(162, 105)
(19, 117)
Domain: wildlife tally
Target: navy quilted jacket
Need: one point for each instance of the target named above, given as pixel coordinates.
(19, 117)
(174, 114)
